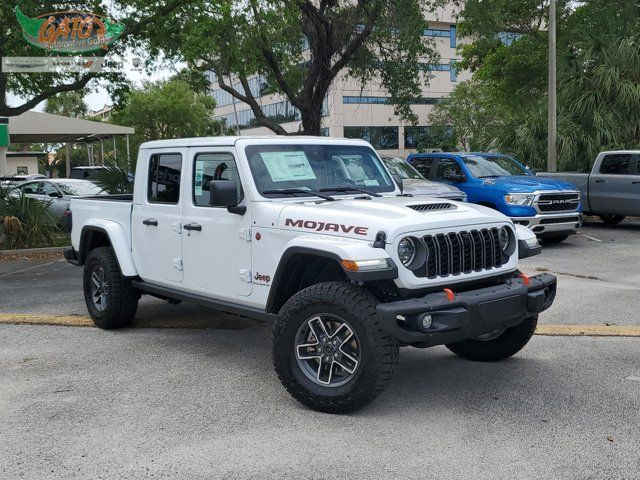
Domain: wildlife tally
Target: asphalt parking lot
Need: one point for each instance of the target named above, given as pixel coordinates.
(204, 402)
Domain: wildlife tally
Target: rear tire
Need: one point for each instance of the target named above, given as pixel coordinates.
(111, 300)
(508, 343)
(612, 219)
(305, 363)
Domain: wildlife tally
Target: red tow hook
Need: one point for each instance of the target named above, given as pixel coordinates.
(526, 279)
(450, 295)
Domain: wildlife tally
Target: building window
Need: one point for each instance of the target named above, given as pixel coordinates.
(453, 72)
(387, 100)
(324, 132)
(436, 32)
(22, 170)
(384, 138)
(281, 112)
(415, 137)
(452, 36)
(257, 86)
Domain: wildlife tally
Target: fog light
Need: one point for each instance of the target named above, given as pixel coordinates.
(426, 321)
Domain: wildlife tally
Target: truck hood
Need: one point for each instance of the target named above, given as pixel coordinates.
(526, 184)
(363, 219)
(427, 187)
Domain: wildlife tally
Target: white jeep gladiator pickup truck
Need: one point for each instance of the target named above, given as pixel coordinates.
(314, 234)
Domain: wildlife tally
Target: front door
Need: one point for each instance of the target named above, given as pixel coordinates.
(216, 243)
(615, 188)
(156, 219)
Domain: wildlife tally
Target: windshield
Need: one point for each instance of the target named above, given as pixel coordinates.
(79, 188)
(482, 166)
(315, 167)
(398, 166)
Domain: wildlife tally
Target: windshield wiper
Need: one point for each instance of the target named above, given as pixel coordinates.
(490, 176)
(293, 191)
(350, 189)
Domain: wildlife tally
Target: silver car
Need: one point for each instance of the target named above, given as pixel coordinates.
(57, 192)
(415, 184)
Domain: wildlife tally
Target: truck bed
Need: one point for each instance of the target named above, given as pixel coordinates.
(101, 210)
(580, 180)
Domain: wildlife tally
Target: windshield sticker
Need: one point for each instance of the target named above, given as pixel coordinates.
(371, 183)
(288, 166)
(198, 180)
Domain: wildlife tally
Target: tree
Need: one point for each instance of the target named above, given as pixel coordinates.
(299, 48)
(166, 109)
(598, 79)
(139, 17)
(68, 104)
(469, 113)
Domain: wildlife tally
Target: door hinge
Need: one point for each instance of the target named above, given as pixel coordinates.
(245, 275)
(177, 264)
(177, 227)
(245, 234)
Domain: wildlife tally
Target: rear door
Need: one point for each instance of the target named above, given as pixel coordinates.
(217, 253)
(156, 218)
(615, 188)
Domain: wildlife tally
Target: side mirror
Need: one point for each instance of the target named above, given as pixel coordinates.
(455, 177)
(224, 193)
(55, 194)
(398, 179)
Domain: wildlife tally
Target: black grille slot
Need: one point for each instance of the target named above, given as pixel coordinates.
(558, 202)
(424, 207)
(460, 252)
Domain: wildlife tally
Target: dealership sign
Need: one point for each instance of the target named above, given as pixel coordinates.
(69, 31)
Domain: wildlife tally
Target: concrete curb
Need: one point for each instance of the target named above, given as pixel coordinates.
(31, 251)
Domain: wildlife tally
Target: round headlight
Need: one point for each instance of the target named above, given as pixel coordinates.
(406, 250)
(504, 238)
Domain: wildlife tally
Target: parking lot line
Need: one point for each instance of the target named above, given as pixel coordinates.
(84, 321)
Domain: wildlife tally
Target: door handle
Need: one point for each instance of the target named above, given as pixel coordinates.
(150, 222)
(599, 181)
(193, 226)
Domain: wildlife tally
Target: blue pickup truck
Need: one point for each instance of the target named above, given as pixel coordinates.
(550, 208)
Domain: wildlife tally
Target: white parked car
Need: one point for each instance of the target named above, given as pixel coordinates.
(57, 192)
(312, 234)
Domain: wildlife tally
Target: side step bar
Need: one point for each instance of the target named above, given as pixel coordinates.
(219, 305)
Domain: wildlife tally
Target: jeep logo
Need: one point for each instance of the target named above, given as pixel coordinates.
(326, 227)
(262, 278)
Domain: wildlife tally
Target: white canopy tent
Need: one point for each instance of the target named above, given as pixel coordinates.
(39, 127)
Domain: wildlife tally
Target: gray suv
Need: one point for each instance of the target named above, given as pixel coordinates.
(415, 184)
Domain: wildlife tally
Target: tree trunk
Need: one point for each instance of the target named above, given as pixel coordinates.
(312, 119)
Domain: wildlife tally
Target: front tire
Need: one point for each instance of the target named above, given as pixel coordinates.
(612, 219)
(111, 300)
(499, 347)
(329, 349)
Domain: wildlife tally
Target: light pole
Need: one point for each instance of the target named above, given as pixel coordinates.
(552, 164)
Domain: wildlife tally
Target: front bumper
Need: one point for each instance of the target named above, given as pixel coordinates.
(541, 224)
(469, 314)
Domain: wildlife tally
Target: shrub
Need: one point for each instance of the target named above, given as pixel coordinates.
(25, 223)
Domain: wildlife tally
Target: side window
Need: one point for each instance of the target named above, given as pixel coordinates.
(30, 188)
(617, 164)
(213, 166)
(165, 170)
(447, 167)
(46, 188)
(424, 166)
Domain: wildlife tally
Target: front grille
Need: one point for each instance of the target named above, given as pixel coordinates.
(423, 207)
(558, 202)
(460, 252)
